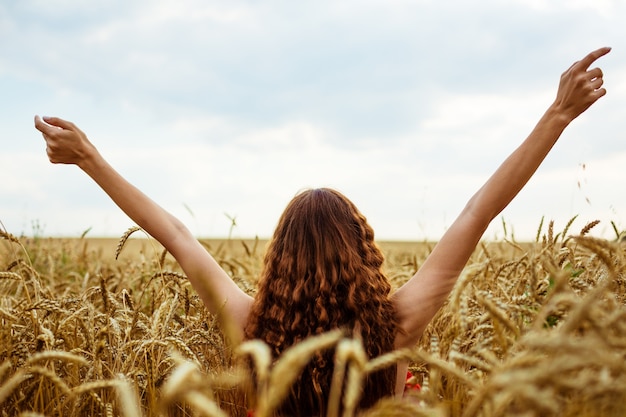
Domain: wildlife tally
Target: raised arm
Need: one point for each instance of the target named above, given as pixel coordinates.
(67, 144)
(423, 295)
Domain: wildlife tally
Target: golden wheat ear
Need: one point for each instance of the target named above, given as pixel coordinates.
(8, 236)
(124, 238)
(589, 226)
(10, 275)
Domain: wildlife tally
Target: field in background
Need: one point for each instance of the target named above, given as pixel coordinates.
(532, 329)
(135, 246)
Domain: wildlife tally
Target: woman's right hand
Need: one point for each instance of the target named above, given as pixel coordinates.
(66, 143)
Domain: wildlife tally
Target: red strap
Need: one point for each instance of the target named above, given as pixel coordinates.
(411, 383)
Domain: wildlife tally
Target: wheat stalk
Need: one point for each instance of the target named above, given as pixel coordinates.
(10, 384)
(56, 355)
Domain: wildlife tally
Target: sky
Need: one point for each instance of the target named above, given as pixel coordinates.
(222, 110)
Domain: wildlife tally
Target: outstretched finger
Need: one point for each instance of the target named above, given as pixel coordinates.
(42, 126)
(592, 56)
(63, 124)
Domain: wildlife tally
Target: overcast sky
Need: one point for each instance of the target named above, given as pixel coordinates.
(229, 108)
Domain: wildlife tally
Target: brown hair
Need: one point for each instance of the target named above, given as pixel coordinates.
(322, 271)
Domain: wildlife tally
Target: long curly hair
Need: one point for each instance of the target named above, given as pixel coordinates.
(322, 271)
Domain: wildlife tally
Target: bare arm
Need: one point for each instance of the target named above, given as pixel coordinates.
(423, 295)
(69, 145)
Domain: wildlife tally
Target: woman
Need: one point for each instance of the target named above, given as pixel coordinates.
(322, 268)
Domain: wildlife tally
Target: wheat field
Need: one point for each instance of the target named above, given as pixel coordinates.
(96, 327)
